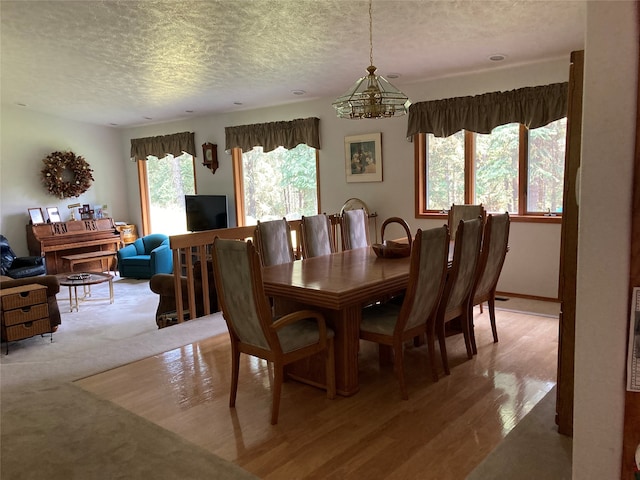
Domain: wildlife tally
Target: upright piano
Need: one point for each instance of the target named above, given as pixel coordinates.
(54, 240)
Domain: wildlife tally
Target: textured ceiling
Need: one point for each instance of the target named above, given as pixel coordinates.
(135, 62)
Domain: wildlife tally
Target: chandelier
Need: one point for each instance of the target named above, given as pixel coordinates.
(371, 96)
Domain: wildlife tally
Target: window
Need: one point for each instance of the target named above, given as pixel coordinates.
(276, 184)
(167, 180)
(511, 169)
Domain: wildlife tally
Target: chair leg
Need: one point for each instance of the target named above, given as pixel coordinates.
(466, 327)
(431, 346)
(398, 361)
(443, 349)
(492, 317)
(331, 370)
(278, 374)
(472, 331)
(235, 368)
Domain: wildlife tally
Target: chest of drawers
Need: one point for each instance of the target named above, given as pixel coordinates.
(25, 312)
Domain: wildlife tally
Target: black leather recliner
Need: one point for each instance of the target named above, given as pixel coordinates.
(19, 267)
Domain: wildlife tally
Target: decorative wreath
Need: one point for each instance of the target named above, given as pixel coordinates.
(66, 175)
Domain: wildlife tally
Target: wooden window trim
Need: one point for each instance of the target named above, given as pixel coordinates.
(522, 216)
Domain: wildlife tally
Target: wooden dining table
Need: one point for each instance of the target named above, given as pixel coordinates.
(339, 285)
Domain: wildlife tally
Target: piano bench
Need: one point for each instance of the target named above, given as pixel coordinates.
(101, 255)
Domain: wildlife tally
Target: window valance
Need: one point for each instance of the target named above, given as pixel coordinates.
(162, 145)
(531, 106)
(274, 134)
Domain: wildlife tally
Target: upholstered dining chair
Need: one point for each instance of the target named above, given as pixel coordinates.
(354, 229)
(317, 238)
(463, 212)
(459, 286)
(252, 328)
(273, 240)
(495, 243)
(392, 324)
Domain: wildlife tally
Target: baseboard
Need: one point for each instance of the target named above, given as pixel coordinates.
(529, 297)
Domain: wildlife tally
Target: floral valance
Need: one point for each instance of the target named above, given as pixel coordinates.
(531, 106)
(162, 145)
(274, 134)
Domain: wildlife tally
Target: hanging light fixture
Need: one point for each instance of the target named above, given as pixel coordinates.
(371, 96)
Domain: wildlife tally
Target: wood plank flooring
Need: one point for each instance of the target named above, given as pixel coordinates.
(443, 431)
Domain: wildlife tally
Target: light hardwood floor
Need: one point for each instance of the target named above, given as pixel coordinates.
(443, 431)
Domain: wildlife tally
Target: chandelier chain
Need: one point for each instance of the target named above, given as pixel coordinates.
(370, 35)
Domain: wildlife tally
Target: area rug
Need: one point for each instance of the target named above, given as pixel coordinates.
(51, 429)
(533, 450)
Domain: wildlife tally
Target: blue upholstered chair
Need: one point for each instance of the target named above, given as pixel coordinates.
(145, 257)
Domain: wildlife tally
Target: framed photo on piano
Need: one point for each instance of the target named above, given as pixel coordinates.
(36, 216)
(54, 214)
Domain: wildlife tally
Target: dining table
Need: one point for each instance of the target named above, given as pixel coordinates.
(338, 285)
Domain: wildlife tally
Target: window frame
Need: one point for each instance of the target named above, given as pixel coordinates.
(238, 183)
(420, 158)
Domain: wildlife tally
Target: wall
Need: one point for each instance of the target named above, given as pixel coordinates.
(27, 138)
(533, 262)
(609, 135)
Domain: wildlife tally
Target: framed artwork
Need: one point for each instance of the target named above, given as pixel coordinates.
(363, 157)
(54, 214)
(36, 216)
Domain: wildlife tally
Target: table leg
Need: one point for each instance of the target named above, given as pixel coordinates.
(75, 295)
(346, 326)
(111, 290)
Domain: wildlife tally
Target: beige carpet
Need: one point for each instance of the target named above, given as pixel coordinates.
(533, 450)
(51, 429)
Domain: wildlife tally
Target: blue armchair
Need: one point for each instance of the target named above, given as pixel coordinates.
(145, 257)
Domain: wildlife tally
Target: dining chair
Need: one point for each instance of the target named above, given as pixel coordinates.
(459, 286)
(463, 212)
(273, 241)
(252, 328)
(317, 237)
(354, 229)
(495, 244)
(393, 324)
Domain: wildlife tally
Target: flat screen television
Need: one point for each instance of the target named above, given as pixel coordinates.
(206, 212)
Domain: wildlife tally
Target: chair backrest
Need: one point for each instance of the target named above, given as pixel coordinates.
(317, 238)
(355, 229)
(7, 256)
(238, 278)
(273, 239)
(427, 276)
(153, 241)
(463, 212)
(494, 250)
(466, 255)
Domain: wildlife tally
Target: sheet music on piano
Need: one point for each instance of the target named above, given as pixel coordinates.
(633, 353)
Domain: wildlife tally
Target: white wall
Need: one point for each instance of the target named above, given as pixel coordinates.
(608, 139)
(533, 262)
(27, 138)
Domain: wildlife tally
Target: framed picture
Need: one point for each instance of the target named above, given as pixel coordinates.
(363, 157)
(54, 214)
(36, 216)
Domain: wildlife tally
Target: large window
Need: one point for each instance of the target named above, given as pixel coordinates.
(168, 180)
(280, 183)
(511, 169)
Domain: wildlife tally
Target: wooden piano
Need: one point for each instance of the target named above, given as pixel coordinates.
(55, 240)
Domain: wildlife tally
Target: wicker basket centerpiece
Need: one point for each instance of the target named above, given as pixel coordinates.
(390, 248)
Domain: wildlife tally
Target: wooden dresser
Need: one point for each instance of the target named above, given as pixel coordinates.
(25, 312)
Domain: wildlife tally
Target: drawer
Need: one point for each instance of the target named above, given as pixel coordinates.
(26, 330)
(25, 314)
(23, 296)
